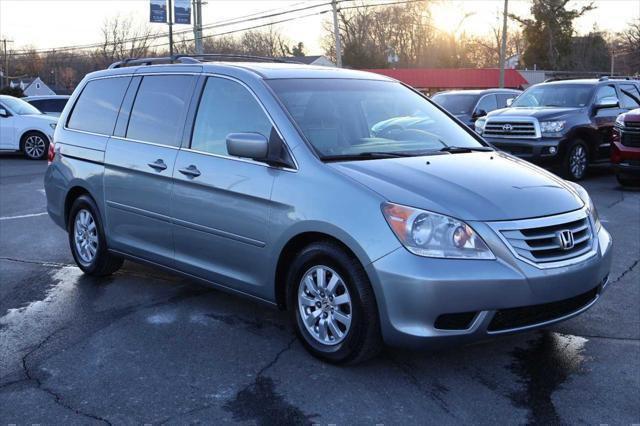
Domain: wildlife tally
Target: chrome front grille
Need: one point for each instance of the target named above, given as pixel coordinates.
(549, 242)
(509, 128)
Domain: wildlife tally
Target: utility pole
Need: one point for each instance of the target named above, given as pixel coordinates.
(336, 30)
(6, 61)
(197, 26)
(170, 18)
(503, 46)
(613, 60)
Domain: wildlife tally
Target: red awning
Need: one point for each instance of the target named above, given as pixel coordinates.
(454, 78)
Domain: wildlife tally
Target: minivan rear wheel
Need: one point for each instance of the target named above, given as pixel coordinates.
(332, 305)
(87, 239)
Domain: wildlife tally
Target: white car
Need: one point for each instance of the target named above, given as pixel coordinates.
(24, 128)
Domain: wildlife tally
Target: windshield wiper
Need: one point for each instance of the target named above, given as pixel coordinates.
(463, 149)
(369, 155)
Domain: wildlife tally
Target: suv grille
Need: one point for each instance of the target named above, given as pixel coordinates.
(630, 134)
(506, 319)
(503, 128)
(545, 245)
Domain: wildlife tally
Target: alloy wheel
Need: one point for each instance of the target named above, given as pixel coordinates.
(578, 161)
(34, 146)
(324, 304)
(85, 236)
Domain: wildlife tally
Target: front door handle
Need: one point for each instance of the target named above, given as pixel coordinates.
(191, 171)
(158, 165)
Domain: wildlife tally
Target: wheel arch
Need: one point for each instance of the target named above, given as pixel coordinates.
(28, 130)
(73, 193)
(293, 246)
(587, 134)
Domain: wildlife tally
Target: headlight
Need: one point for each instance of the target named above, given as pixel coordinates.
(479, 125)
(552, 126)
(620, 120)
(431, 234)
(53, 125)
(591, 208)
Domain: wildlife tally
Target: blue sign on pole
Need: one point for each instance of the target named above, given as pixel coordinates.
(158, 11)
(182, 11)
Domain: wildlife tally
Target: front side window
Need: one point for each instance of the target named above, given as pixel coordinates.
(158, 111)
(606, 94)
(347, 118)
(487, 104)
(97, 108)
(20, 107)
(226, 107)
(555, 95)
(630, 96)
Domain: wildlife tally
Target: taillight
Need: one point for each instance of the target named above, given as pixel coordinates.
(52, 152)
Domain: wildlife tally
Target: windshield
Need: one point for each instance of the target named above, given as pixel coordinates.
(347, 118)
(555, 95)
(456, 104)
(18, 106)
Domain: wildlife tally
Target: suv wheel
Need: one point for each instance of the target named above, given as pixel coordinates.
(87, 239)
(332, 305)
(34, 145)
(576, 160)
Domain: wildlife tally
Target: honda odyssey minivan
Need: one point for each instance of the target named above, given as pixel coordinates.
(272, 180)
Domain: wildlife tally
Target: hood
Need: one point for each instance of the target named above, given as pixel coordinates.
(632, 116)
(44, 117)
(483, 186)
(539, 113)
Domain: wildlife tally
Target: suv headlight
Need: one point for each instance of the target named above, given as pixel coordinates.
(620, 120)
(479, 125)
(431, 234)
(53, 125)
(591, 208)
(552, 126)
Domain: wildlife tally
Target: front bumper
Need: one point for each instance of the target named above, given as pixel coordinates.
(625, 160)
(539, 151)
(414, 292)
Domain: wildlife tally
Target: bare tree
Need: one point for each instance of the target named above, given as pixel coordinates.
(121, 39)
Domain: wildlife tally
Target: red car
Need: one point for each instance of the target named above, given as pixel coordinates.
(625, 150)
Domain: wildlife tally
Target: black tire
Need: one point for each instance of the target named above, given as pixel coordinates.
(38, 151)
(362, 340)
(102, 263)
(627, 181)
(576, 160)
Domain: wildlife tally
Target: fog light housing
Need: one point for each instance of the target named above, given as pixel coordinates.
(553, 150)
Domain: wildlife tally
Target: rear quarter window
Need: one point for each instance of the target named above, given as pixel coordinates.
(97, 107)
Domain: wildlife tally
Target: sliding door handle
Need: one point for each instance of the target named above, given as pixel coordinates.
(191, 171)
(158, 165)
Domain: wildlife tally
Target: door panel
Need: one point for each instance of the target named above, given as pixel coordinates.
(221, 219)
(137, 193)
(605, 119)
(8, 133)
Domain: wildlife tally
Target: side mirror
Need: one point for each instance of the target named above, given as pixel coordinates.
(607, 103)
(510, 101)
(4, 112)
(478, 113)
(248, 145)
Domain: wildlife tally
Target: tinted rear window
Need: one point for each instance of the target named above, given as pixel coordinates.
(97, 108)
(49, 105)
(158, 112)
(456, 104)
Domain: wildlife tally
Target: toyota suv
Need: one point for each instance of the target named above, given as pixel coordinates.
(268, 180)
(565, 125)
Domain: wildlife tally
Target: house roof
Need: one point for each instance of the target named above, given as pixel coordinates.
(454, 78)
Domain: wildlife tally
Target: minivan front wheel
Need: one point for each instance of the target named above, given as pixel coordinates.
(87, 239)
(332, 305)
(576, 160)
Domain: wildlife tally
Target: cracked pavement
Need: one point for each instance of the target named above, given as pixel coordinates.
(144, 346)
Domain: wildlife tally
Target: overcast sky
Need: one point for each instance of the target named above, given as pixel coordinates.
(55, 23)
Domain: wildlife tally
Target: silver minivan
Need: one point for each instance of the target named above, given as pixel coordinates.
(303, 187)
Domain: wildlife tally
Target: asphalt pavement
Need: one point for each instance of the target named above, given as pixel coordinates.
(144, 346)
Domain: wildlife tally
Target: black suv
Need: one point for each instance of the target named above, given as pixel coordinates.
(566, 124)
(470, 105)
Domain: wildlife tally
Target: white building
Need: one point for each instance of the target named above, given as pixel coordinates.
(32, 86)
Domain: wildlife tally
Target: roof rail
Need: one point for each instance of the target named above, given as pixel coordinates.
(195, 59)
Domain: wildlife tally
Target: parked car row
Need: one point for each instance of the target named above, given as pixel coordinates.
(564, 125)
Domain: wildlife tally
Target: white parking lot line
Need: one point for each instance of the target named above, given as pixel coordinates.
(23, 216)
